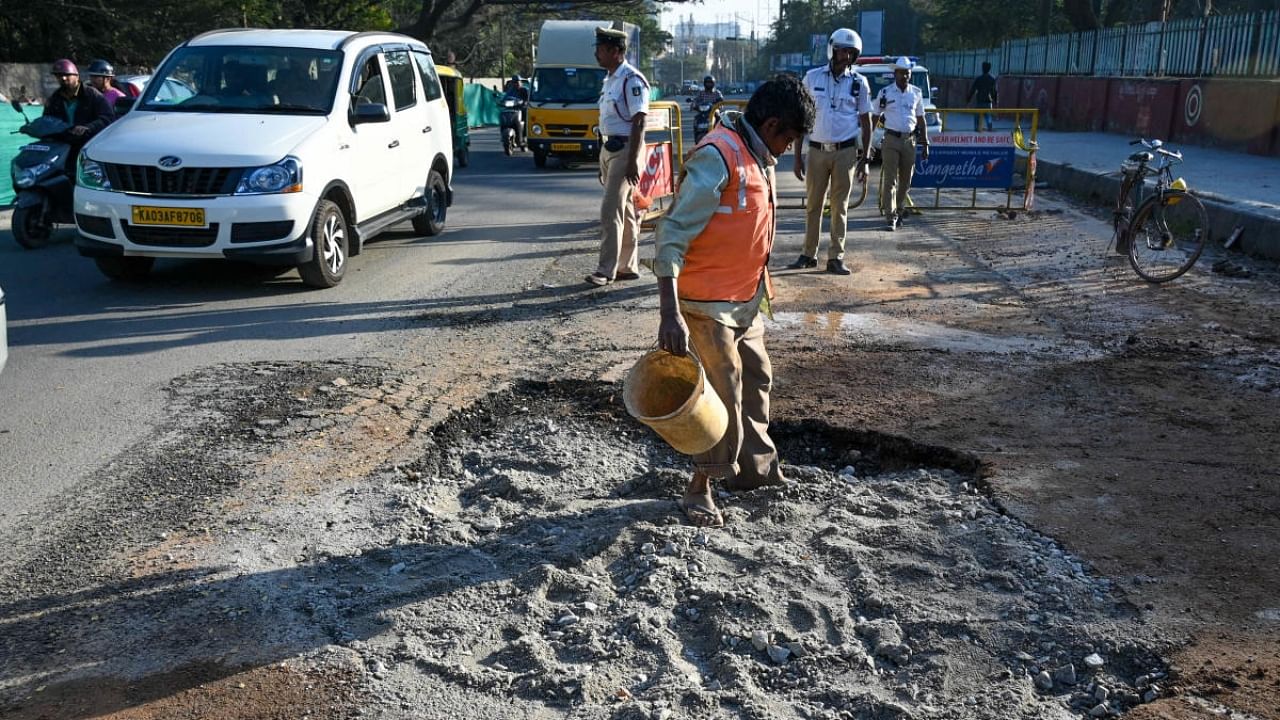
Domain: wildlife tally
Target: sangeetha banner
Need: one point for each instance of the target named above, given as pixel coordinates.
(967, 160)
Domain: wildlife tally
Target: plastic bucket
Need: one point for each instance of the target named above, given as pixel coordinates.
(671, 395)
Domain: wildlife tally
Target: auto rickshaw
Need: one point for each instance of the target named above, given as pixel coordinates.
(451, 81)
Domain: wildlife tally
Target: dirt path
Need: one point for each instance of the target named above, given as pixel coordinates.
(1136, 424)
(1012, 460)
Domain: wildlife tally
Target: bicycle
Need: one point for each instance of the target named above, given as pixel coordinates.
(1163, 234)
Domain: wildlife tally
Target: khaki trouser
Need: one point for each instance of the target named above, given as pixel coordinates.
(738, 368)
(619, 223)
(823, 169)
(897, 167)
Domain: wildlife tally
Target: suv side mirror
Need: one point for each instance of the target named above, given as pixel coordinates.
(15, 104)
(370, 113)
(933, 91)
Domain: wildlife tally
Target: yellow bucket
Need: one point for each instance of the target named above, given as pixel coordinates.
(671, 395)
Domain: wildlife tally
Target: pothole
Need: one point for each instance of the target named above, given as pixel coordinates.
(542, 557)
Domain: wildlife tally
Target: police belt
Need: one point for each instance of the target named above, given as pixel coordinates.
(624, 139)
(898, 133)
(832, 147)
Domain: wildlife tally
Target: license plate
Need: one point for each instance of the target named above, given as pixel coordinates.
(35, 148)
(572, 147)
(185, 217)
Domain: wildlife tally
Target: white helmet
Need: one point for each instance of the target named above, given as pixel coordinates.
(844, 38)
(904, 63)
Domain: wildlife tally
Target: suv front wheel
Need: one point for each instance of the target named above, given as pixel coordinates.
(431, 222)
(329, 233)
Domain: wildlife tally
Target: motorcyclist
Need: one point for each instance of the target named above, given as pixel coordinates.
(102, 78)
(516, 88)
(708, 95)
(80, 105)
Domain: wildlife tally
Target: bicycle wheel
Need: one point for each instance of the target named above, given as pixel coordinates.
(1167, 235)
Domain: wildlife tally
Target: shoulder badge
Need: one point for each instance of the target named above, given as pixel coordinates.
(635, 90)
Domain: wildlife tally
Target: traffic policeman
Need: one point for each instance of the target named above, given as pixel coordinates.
(843, 99)
(624, 104)
(901, 106)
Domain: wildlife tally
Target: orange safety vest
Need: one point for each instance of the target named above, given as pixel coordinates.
(727, 259)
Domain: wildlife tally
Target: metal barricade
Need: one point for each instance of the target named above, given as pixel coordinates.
(975, 168)
(664, 159)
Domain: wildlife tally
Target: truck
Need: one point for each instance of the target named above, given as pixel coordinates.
(564, 115)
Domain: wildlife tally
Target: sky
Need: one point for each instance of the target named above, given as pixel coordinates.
(758, 12)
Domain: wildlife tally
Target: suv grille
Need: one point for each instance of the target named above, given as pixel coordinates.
(184, 181)
(170, 236)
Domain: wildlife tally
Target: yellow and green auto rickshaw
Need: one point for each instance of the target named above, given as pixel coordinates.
(452, 82)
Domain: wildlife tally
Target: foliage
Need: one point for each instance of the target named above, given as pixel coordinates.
(141, 32)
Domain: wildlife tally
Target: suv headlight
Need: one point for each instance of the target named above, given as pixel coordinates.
(282, 177)
(537, 129)
(91, 174)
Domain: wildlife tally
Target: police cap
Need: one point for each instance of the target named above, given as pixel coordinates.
(611, 37)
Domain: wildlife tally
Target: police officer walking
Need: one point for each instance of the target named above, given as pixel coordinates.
(843, 99)
(624, 103)
(901, 106)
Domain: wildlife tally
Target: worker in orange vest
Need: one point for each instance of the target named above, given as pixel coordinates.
(713, 249)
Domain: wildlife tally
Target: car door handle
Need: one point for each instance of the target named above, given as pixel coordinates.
(426, 129)
(394, 144)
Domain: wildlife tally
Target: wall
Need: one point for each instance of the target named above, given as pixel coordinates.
(1239, 115)
(35, 78)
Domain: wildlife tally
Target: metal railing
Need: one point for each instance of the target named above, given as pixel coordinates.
(1245, 45)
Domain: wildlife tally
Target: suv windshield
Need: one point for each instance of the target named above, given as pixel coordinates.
(245, 79)
(881, 79)
(567, 85)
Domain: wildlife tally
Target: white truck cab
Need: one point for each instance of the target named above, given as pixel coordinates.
(878, 70)
(284, 147)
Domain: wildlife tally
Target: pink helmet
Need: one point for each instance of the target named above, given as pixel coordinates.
(65, 67)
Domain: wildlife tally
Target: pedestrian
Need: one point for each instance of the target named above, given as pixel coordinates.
(901, 107)
(624, 103)
(80, 105)
(712, 259)
(843, 100)
(982, 94)
(102, 78)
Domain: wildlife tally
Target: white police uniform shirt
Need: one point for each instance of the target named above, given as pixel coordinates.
(625, 93)
(900, 107)
(841, 100)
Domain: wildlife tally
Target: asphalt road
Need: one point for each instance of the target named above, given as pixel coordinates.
(90, 359)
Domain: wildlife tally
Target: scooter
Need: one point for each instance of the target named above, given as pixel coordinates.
(702, 122)
(511, 123)
(39, 174)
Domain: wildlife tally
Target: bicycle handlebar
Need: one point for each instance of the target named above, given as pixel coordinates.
(1158, 146)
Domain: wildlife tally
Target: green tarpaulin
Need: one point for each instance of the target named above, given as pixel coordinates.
(9, 144)
(482, 105)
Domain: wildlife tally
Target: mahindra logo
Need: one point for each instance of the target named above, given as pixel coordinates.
(169, 162)
(566, 131)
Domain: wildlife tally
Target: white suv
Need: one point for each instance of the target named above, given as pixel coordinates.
(879, 72)
(293, 147)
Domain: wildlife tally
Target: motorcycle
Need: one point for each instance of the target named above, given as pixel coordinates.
(511, 123)
(702, 121)
(39, 174)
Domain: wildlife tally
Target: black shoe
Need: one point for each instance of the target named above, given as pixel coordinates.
(896, 222)
(627, 276)
(891, 223)
(837, 267)
(804, 261)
